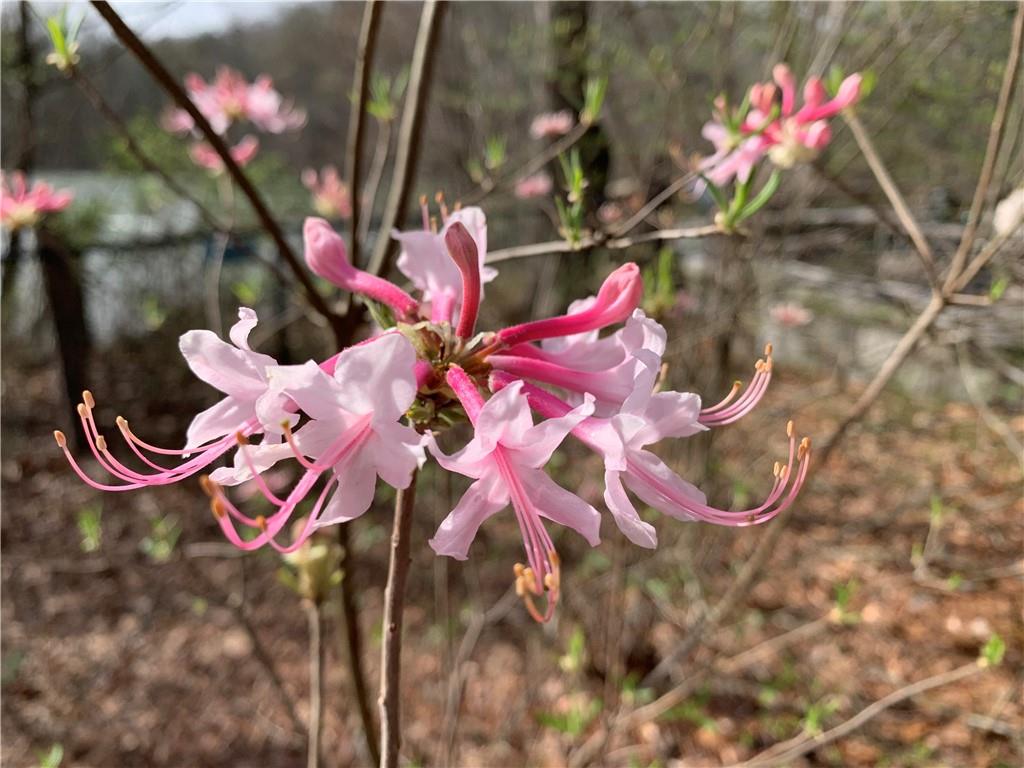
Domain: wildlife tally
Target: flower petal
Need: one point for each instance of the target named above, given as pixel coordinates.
(239, 333)
(625, 514)
(223, 418)
(483, 499)
(660, 484)
(378, 377)
(539, 442)
(262, 457)
(233, 371)
(354, 494)
(560, 506)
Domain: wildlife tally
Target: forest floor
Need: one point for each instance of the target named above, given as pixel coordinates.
(904, 557)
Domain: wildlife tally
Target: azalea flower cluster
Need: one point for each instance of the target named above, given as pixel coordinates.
(768, 123)
(22, 206)
(331, 198)
(227, 100)
(376, 410)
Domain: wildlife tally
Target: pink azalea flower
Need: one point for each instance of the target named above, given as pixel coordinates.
(229, 98)
(21, 206)
(426, 262)
(331, 198)
(505, 458)
(537, 185)
(550, 124)
(205, 156)
(362, 414)
(353, 435)
(791, 315)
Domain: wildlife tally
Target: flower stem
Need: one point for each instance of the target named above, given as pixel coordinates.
(391, 646)
(317, 654)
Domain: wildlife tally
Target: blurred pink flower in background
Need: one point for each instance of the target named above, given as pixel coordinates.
(550, 124)
(331, 198)
(609, 213)
(537, 185)
(21, 206)
(205, 156)
(230, 98)
(791, 315)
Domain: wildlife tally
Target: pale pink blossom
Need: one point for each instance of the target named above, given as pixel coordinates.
(791, 315)
(22, 206)
(505, 458)
(331, 198)
(230, 98)
(353, 435)
(537, 185)
(242, 153)
(425, 260)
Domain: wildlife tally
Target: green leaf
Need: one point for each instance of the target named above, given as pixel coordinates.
(762, 197)
(53, 758)
(995, 293)
(381, 313)
(869, 79)
(716, 194)
(993, 652)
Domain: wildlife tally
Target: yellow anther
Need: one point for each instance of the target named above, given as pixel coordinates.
(62, 441)
(784, 473)
(789, 428)
(122, 422)
(759, 365)
(83, 410)
(551, 582)
(101, 443)
(805, 447)
(518, 569)
(776, 469)
(554, 559)
(207, 485)
(261, 523)
(241, 439)
(768, 349)
(423, 200)
(217, 507)
(88, 399)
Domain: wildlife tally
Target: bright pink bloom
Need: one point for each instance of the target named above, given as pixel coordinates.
(326, 256)
(550, 124)
(791, 315)
(229, 98)
(331, 198)
(24, 207)
(537, 185)
(205, 156)
(425, 260)
(462, 249)
(619, 296)
(505, 458)
(353, 434)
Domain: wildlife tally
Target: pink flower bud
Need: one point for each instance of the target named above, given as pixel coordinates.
(327, 257)
(463, 251)
(620, 294)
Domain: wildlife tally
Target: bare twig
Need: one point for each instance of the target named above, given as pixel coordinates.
(159, 73)
(380, 158)
(651, 205)
(101, 105)
(995, 140)
(410, 132)
(354, 647)
(357, 117)
(802, 744)
(615, 243)
(906, 218)
(391, 628)
(317, 657)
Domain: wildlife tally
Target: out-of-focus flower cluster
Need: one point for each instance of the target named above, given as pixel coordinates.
(768, 124)
(229, 100)
(378, 410)
(22, 206)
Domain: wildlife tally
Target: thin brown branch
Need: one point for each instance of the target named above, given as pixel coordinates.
(985, 255)
(410, 132)
(167, 81)
(317, 659)
(995, 140)
(651, 205)
(804, 745)
(354, 647)
(391, 628)
(380, 158)
(615, 243)
(357, 116)
(101, 105)
(906, 218)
